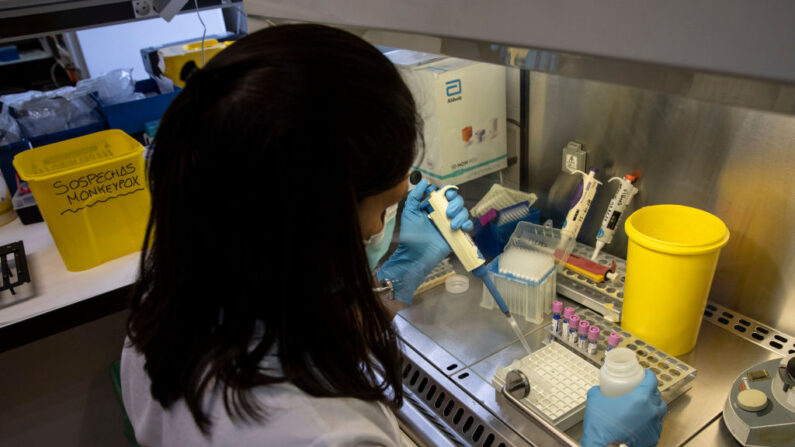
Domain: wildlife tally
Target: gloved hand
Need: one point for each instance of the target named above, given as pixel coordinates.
(636, 418)
(421, 247)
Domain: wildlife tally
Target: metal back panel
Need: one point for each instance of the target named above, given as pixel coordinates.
(734, 162)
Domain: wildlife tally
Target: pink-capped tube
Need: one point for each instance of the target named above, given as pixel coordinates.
(583, 330)
(613, 340)
(574, 323)
(557, 307)
(488, 217)
(567, 313)
(593, 339)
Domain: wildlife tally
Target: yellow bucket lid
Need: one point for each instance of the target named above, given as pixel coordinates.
(77, 154)
(676, 229)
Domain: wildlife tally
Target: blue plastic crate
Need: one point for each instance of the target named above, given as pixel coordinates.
(7, 154)
(132, 116)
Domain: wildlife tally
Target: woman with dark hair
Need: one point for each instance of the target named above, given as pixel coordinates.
(274, 178)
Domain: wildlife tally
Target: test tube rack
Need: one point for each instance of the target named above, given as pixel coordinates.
(607, 297)
(437, 276)
(674, 377)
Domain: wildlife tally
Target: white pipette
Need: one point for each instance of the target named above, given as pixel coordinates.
(468, 253)
(615, 209)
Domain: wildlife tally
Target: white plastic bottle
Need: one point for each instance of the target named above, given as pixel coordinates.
(621, 372)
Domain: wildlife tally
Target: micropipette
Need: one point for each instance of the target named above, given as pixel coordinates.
(467, 252)
(614, 211)
(582, 202)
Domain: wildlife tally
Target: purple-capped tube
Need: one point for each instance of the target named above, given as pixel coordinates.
(593, 339)
(574, 322)
(582, 343)
(567, 313)
(613, 340)
(557, 307)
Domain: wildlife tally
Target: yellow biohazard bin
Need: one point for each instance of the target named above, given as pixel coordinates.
(671, 259)
(92, 193)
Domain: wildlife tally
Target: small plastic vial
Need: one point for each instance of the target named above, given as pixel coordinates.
(582, 343)
(567, 313)
(557, 307)
(621, 373)
(613, 340)
(593, 339)
(574, 323)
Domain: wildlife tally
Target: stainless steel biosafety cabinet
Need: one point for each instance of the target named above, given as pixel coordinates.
(698, 95)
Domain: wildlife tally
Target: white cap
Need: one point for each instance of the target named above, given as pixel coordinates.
(457, 284)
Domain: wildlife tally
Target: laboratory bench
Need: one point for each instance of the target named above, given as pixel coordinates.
(457, 345)
(60, 299)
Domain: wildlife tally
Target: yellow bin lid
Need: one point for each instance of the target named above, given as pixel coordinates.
(74, 155)
(676, 229)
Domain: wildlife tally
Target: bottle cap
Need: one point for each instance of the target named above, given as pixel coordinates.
(456, 284)
(630, 177)
(568, 312)
(557, 307)
(574, 321)
(593, 333)
(584, 327)
(613, 339)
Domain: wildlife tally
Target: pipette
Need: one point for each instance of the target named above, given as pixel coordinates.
(581, 203)
(468, 253)
(614, 211)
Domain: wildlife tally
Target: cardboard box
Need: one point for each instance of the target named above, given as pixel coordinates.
(463, 105)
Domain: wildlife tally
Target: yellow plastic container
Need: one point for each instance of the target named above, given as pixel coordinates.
(173, 58)
(92, 193)
(671, 259)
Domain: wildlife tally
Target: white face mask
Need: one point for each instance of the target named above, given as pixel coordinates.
(377, 245)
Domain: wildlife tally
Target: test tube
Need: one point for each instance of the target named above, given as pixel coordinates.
(557, 307)
(593, 338)
(613, 340)
(567, 313)
(582, 343)
(574, 322)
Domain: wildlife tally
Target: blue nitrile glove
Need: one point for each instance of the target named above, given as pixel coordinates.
(636, 418)
(421, 246)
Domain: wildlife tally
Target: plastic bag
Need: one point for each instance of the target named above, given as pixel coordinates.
(9, 129)
(113, 87)
(55, 111)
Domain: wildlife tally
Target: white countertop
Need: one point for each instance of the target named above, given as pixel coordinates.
(55, 286)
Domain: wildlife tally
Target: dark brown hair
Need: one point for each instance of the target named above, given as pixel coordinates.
(253, 245)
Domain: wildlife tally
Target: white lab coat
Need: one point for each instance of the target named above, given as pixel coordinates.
(293, 417)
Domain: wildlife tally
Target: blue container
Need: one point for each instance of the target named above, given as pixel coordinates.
(491, 239)
(132, 116)
(7, 154)
(9, 53)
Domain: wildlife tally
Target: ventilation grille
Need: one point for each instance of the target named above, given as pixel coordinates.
(449, 413)
(750, 329)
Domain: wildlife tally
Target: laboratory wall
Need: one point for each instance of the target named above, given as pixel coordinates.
(736, 163)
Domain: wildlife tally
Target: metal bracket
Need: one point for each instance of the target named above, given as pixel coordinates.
(562, 437)
(19, 274)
